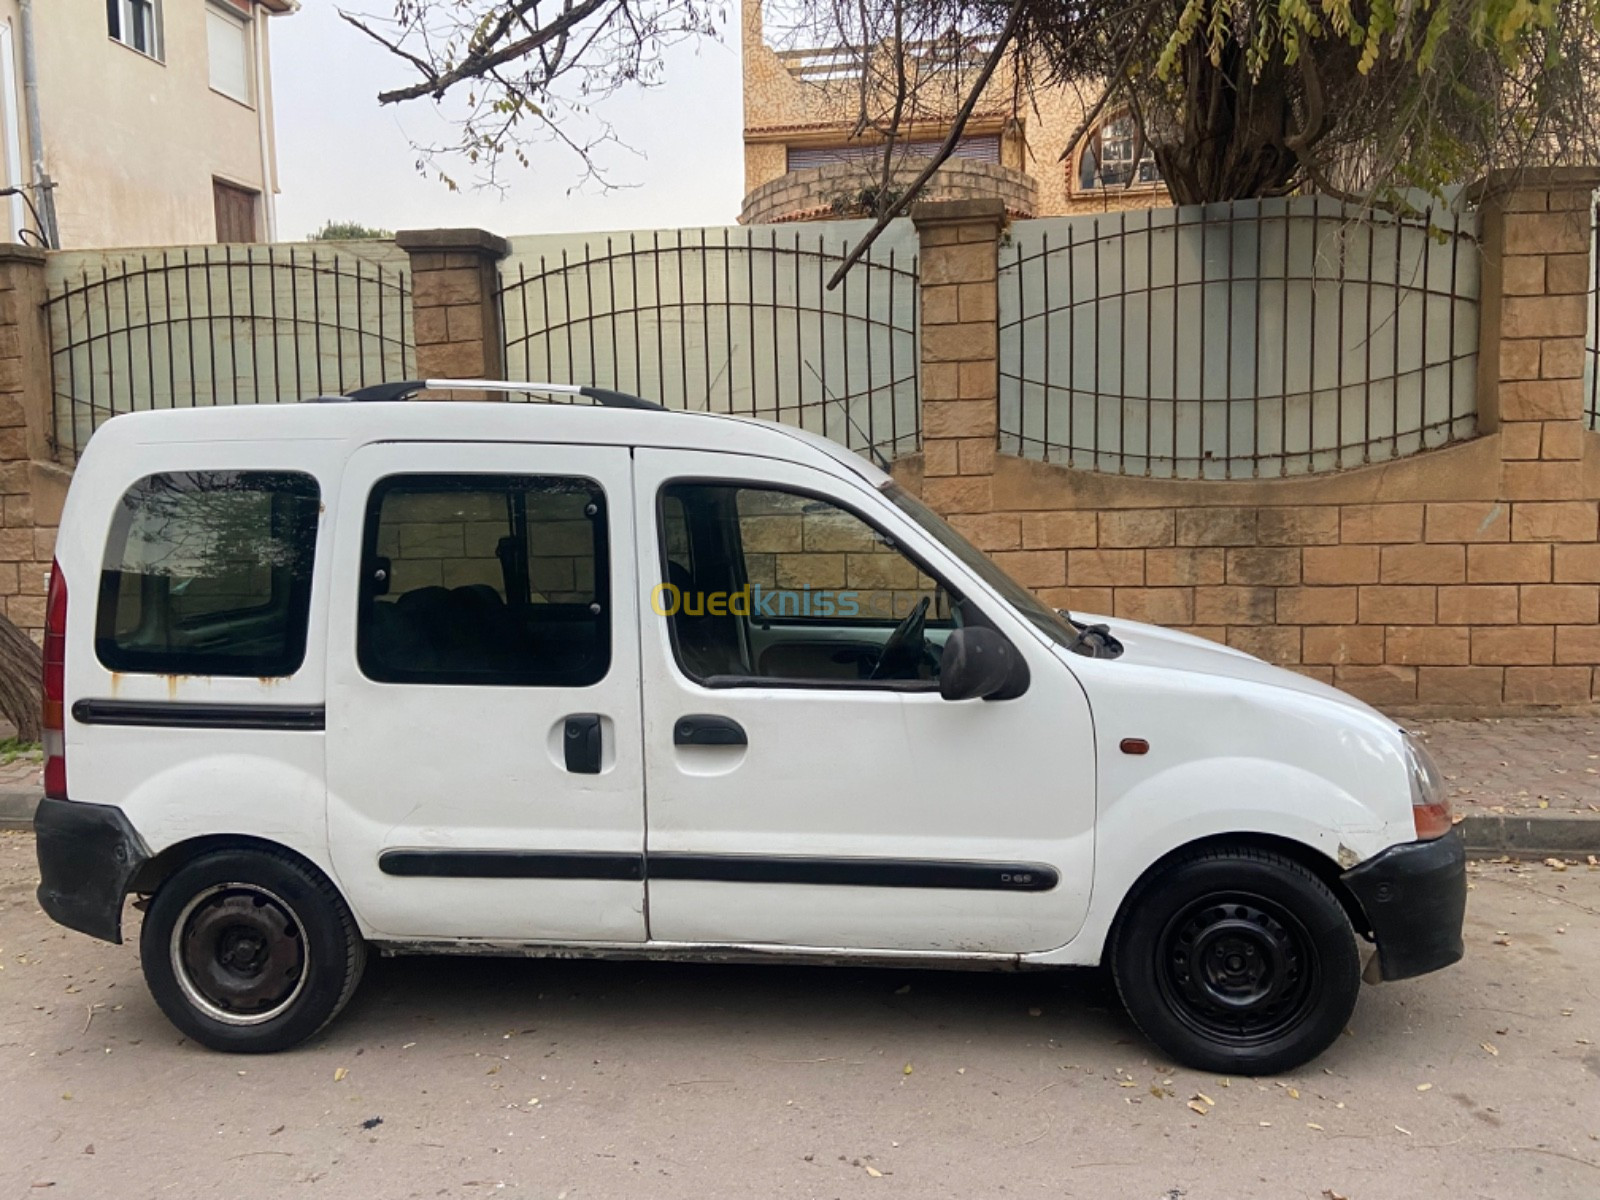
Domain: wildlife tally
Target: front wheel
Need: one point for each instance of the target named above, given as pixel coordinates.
(250, 951)
(1237, 961)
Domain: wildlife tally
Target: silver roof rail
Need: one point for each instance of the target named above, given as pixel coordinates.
(405, 389)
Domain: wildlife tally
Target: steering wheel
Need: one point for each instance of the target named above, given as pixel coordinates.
(905, 647)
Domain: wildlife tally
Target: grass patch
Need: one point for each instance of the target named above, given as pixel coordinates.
(12, 748)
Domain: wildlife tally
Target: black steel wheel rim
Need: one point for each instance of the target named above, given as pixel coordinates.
(1238, 969)
(239, 953)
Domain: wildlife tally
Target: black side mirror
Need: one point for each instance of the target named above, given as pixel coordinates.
(980, 663)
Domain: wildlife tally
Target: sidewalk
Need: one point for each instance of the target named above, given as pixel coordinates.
(1523, 785)
(20, 788)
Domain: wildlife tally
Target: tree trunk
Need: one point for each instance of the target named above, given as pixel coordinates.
(1231, 145)
(21, 694)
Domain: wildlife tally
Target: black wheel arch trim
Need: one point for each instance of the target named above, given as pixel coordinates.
(88, 857)
(1415, 898)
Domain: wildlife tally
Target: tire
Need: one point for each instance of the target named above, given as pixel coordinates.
(250, 951)
(1239, 962)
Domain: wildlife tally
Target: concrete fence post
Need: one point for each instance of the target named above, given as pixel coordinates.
(960, 351)
(455, 277)
(1533, 316)
(32, 486)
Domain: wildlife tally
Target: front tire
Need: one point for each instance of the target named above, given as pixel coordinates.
(250, 951)
(1237, 961)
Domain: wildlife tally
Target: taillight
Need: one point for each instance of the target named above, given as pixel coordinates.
(55, 687)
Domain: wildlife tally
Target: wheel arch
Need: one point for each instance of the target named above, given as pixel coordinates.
(1320, 865)
(157, 869)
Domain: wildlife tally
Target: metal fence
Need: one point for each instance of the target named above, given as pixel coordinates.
(1254, 339)
(208, 325)
(735, 320)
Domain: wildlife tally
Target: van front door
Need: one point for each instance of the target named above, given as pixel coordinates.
(808, 785)
(485, 774)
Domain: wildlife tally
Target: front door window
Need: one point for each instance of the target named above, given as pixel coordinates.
(763, 584)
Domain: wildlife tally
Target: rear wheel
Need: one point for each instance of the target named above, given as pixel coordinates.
(250, 951)
(1237, 961)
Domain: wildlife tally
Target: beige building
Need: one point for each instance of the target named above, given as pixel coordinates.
(805, 160)
(137, 122)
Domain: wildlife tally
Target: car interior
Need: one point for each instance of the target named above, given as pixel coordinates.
(825, 596)
(488, 580)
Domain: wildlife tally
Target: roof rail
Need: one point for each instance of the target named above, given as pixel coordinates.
(405, 389)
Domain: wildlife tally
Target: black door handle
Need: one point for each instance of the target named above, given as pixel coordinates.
(582, 743)
(703, 730)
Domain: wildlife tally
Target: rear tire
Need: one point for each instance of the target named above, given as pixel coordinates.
(1237, 961)
(250, 951)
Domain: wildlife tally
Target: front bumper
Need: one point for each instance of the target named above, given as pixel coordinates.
(88, 854)
(1415, 898)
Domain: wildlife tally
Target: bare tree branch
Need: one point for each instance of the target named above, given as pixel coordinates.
(957, 127)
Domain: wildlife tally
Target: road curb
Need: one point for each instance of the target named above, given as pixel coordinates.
(1528, 836)
(16, 809)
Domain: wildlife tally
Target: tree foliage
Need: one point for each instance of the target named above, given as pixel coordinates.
(349, 231)
(1374, 98)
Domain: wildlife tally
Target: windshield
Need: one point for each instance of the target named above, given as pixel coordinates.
(1046, 619)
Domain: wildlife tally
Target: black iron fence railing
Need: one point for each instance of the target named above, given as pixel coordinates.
(728, 320)
(210, 325)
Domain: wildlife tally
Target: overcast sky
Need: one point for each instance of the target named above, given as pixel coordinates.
(342, 157)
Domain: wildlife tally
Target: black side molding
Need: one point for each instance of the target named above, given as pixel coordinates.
(956, 874)
(178, 714)
(946, 874)
(512, 864)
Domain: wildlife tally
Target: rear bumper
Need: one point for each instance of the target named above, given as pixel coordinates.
(1415, 897)
(88, 854)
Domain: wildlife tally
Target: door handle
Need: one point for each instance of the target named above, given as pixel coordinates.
(581, 741)
(704, 730)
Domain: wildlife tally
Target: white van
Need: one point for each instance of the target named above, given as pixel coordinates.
(607, 680)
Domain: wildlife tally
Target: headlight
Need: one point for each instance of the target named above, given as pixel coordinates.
(1430, 808)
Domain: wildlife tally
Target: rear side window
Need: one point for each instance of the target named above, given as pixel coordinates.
(209, 573)
(494, 580)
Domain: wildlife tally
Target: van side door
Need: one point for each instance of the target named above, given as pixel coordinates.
(485, 775)
(808, 784)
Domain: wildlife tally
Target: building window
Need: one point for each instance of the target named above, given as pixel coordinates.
(229, 48)
(1114, 156)
(980, 148)
(137, 24)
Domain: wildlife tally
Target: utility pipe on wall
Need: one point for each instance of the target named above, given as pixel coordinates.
(43, 190)
(269, 200)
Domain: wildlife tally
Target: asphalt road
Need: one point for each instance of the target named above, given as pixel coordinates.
(569, 1079)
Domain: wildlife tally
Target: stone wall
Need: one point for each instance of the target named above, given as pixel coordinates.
(811, 193)
(1466, 578)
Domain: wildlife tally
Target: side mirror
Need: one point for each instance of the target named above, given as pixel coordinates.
(979, 663)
